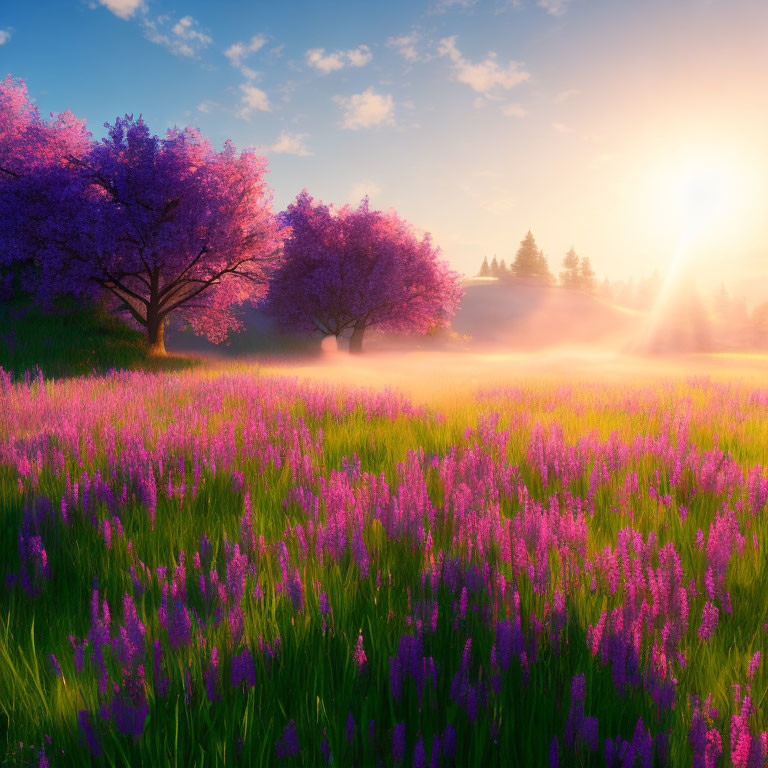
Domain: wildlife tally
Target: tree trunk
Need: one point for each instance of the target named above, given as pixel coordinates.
(156, 338)
(356, 339)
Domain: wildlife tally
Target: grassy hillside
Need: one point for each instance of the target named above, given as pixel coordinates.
(70, 339)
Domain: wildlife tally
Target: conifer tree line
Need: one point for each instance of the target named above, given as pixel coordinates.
(530, 263)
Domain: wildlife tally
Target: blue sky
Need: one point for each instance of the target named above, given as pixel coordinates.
(476, 119)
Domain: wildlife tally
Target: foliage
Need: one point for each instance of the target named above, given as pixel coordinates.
(161, 226)
(351, 269)
(530, 261)
(570, 277)
(586, 275)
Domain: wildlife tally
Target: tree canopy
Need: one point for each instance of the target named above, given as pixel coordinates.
(350, 269)
(158, 225)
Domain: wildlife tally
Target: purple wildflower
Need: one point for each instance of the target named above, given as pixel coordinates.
(243, 669)
(89, 736)
(449, 742)
(212, 676)
(288, 743)
(54, 664)
(554, 753)
(161, 678)
(130, 708)
(179, 626)
(419, 756)
(398, 743)
(708, 621)
(359, 655)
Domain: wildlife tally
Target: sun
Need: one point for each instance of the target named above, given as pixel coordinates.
(705, 191)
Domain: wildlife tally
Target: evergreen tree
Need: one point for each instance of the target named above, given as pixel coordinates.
(543, 272)
(503, 271)
(570, 277)
(586, 275)
(494, 267)
(527, 260)
(485, 270)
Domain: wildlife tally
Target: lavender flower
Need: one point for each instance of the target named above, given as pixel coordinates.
(89, 736)
(554, 753)
(398, 743)
(179, 626)
(419, 756)
(708, 621)
(288, 743)
(212, 676)
(243, 669)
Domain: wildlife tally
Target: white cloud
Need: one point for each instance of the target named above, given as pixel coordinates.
(238, 52)
(253, 98)
(365, 188)
(184, 38)
(514, 110)
(317, 58)
(562, 128)
(406, 46)
(360, 56)
(565, 95)
(185, 29)
(5, 36)
(204, 107)
(483, 76)
(123, 8)
(554, 7)
(291, 144)
(366, 109)
(331, 62)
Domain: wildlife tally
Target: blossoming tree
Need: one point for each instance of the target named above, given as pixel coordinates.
(161, 226)
(29, 145)
(351, 269)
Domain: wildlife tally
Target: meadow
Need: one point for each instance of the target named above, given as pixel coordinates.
(236, 565)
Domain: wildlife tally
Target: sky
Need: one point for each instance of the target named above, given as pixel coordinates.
(632, 130)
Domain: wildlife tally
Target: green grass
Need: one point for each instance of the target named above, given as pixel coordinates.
(71, 338)
(313, 681)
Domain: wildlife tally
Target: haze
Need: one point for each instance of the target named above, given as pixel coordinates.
(581, 120)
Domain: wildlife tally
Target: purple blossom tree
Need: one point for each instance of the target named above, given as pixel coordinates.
(160, 226)
(350, 269)
(31, 144)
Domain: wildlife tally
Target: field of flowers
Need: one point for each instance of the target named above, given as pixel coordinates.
(224, 566)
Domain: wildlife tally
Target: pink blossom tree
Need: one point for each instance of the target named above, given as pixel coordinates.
(28, 141)
(29, 145)
(352, 269)
(162, 227)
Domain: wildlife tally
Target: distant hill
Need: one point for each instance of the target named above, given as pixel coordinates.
(528, 315)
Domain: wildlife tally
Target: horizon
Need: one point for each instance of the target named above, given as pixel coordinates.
(475, 120)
